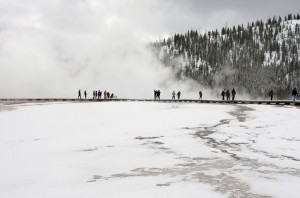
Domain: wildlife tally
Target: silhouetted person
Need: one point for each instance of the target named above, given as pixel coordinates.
(233, 92)
(200, 95)
(158, 94)
(223, 95)
(112, 95)
(173, 95)
(271, 94)
(104, 95)
(155, 94)
(294, 94)
(178, 95)
(228, 94)
(99, 94)
(96, 93)
(108, 95)
(79, 94)
(84, 94)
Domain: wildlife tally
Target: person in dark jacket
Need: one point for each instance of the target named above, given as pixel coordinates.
(200, 95)
(233, 92)
(99, 94)
(178, 95)
(85, 94)
(223, 95)
(79, 94)
(228, 94)
(294, 94)
(271, 94)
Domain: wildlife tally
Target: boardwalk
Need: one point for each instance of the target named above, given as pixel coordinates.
(263, 102)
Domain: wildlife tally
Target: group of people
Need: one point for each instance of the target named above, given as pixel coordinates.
(157, 94)
(178, 95)
(294, 94)
(79, 94)
(97, 94)
(227, 94)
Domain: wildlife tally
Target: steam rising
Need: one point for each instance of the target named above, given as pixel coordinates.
(50, 51)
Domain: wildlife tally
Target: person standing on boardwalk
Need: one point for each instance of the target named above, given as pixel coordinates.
(155, 94)
(158, 94)
(99, 94)
(84, 94)
(200, 95)
(228, 94)
(223, 94)
(271, 94)
(79, 94)
(233, 92)
(294, 94)
(178, 95)
(104, 95)
(173, 95)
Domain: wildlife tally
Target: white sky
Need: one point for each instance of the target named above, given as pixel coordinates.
(51, 48)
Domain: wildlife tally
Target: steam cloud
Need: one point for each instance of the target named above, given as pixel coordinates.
(53, 49)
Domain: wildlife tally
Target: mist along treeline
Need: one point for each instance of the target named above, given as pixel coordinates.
(255, 58)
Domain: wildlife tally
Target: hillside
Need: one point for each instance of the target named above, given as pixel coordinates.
(256, 58)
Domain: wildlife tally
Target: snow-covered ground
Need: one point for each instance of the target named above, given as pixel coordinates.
(128, 149)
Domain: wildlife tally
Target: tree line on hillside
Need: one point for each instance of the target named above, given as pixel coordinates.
(257, 58)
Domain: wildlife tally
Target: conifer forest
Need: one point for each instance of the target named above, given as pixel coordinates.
(255, 58)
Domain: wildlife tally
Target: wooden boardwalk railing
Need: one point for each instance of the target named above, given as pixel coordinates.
(263, 102)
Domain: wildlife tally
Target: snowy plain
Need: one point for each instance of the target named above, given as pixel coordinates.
(146, 149)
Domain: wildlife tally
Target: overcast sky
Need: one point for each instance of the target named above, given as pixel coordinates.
(51, 48)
